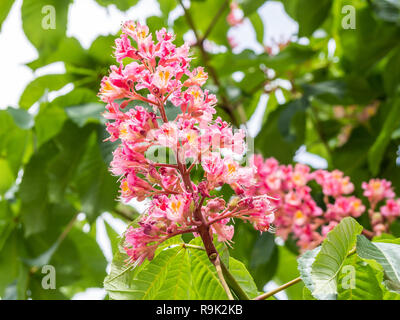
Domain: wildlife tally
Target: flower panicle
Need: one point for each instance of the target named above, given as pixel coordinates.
(298, 214)
(154, 76)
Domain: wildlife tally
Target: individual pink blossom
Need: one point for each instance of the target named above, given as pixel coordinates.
(391, 208)
(377, 189)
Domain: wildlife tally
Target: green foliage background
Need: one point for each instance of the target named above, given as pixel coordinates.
(53, 165)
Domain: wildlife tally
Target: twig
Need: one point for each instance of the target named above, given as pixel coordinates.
(214, 20)
(275, 291)
(67, 229)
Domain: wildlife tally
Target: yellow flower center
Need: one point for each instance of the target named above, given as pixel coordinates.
(231, 168)
(125, 187)
(299, 214)
(175, 205)
(376, 185)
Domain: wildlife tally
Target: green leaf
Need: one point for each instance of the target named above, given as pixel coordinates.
(387, 10)
(93, 262)
(271, 141)
(366, 285)
(35, 90)
(21, 117)
(316, 13)
(7, 177)
(5, 7)
(243, 277)
(321, 280)
(48, 122)
(15, 143)
(168, 274)
(33, 190)
(305, 262)
(387, 255)
(113, 236)
(86, 113)
(65, 164)
(358, 55)
(96, 187)
(376, 152)
(203, 21)
(307, 294)
(258, 26)
(101, 51)
(122, 5)
(69, 51)
(391, 74)
(205, 280)
(287, 271)
(166, 6)
(37, 18)
(250, 6)
(9, 261)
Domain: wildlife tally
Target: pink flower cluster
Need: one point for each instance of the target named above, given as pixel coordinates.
(158, 73)
(297, 213)
(381, 214)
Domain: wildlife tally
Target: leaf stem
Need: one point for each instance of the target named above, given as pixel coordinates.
(282, 287)
(192, 246)
(233, 284)
(217, 264)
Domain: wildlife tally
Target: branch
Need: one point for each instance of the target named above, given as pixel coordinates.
(275, 291)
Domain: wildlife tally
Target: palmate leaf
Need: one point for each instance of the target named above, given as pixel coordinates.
(387, 255)
(321, 279)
